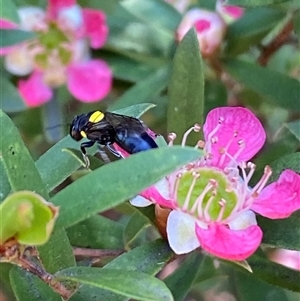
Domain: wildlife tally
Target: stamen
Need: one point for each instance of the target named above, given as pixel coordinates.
(198, 202)
(176, 185)
(171, 138)
(212, 133)
(190, 166)
(200, 144)
(222, 204)
(207, 206)
(196, 128)
(189, 194)
(263, 181)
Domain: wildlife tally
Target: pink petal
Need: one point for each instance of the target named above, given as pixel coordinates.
(281, 198)
(89, 81)
(236, 120)
(5, 24)
(229, 244)
(95, 26)
(234, 11)
(34, 91)
(54, 6)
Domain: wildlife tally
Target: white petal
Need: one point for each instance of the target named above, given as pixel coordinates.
(162, 187)
(140, 201)
(32, 18)
(71, 17)
(244, 220)
(18, 61)
(181, 232)
(81, 52)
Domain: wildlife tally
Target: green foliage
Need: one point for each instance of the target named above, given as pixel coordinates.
(170, 86)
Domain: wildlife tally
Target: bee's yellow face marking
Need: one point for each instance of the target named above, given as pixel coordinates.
(96, 117)
(83, 134)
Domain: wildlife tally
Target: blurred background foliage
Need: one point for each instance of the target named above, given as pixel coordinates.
(247, 71)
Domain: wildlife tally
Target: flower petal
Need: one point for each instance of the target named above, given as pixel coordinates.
(95, 26)
(89, 81)
(55, 6)
(229, 244)
(32, 18)
(237, 124)
(281, 198)
(181, 232)
(34, 91)
(140, 201)
(243, 220)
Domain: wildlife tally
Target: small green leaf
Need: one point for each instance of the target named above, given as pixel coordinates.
(10, 37)
(282, 233)
(130, 284)
(180, 281)
(27, 217)
(274, 273)
(149, 258)
(254, 2)
(27, 286)
(154, 12)
(144, 90)
(279, 89)
(290, 161)
(294, 128)
(186, 89)
(18, 164)
(86, 234)
(263, 291)
(4, 184)
(11, 100)
(136, 224)
(9, 11)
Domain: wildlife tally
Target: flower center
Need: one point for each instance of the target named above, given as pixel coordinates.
(206, 193)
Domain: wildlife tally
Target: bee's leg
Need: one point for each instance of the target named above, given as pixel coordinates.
(103, 154)
(113, 151)
(83, 147)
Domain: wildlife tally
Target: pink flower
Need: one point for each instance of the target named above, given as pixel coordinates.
(288, 258)
(60, 54)
(229, 13)
(209, 26)
(211, 201)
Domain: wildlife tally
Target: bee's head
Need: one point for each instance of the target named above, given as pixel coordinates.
(77, 127)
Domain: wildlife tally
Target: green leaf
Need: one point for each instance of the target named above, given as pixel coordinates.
(154, 12)
(86, 234)
(294, 128)
(130, 284)
(11, 100)
(23, 175)
(10, 37)
(180, 281)
(57, 254)
(290, 161)
(108, 186)
(136, 224)
(245, 283)
(27, 217)
(55, 165)
(149, 258)
(282, 233)
(8, 11)
(251, 28)
(254, 2)
(144, 90)
(27, 286)
(18, 164)
(274, 273)
(278, 88)
(186, 89)
(4, 183)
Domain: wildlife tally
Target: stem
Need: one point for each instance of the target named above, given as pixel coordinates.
(280, 39)
(96, 252)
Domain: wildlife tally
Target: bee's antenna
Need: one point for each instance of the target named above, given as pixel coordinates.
(56, 126)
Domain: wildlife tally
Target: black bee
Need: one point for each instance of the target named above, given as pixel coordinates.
(107, 128)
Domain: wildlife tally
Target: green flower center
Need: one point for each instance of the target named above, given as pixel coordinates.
(207, 194)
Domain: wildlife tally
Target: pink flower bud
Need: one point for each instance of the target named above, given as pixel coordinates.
(229, 13)
(209, 26)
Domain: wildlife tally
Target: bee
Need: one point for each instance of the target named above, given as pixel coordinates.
(106, 128)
